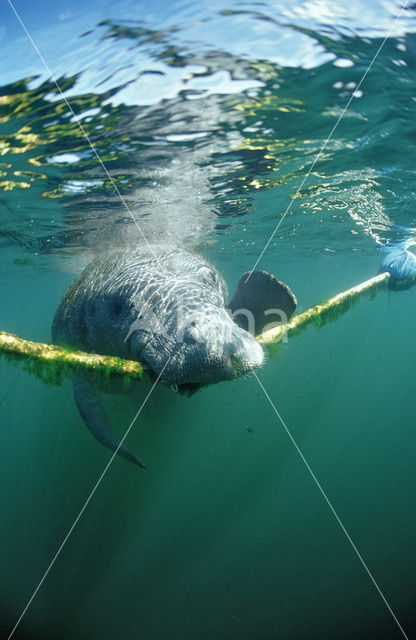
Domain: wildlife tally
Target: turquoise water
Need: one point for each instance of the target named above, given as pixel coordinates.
(208, 118)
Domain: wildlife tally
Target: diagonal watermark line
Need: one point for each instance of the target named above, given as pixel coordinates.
(97, 484)
(327, 500)
(326, 141)
(79, 123)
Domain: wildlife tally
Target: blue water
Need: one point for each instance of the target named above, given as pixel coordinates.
(208, 117)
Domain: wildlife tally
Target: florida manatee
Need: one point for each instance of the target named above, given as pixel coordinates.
(166, 309)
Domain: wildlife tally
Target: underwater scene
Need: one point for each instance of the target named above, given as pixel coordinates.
(278, 499)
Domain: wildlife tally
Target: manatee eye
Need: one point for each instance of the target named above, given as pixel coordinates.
(116, 306)
(193, 323)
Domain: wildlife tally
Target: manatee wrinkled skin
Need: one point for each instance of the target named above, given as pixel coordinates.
(168, 312)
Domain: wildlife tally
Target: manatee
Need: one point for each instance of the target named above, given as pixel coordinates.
(166, 309)
(265, 297)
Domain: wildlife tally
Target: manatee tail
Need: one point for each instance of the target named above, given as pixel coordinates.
(88, 400)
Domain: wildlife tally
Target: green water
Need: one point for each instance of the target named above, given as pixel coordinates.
(226, 534)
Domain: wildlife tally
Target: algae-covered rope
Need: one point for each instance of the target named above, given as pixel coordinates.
(326, 311)
(51, 362)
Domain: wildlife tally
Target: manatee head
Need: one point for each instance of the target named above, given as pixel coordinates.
(169, 313)
(204, 347)
(180, 325)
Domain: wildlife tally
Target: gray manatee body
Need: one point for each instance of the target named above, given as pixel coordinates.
(166, 309)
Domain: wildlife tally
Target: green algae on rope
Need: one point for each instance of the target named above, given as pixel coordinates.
(51, 363)
(326, 311)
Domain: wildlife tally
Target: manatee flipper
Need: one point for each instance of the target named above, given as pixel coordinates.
(88, 400)
(264, 296)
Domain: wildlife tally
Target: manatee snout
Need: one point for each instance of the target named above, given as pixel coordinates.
(238, 350)
(205, 348)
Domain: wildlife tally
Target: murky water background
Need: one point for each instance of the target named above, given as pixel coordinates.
(207, 118)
